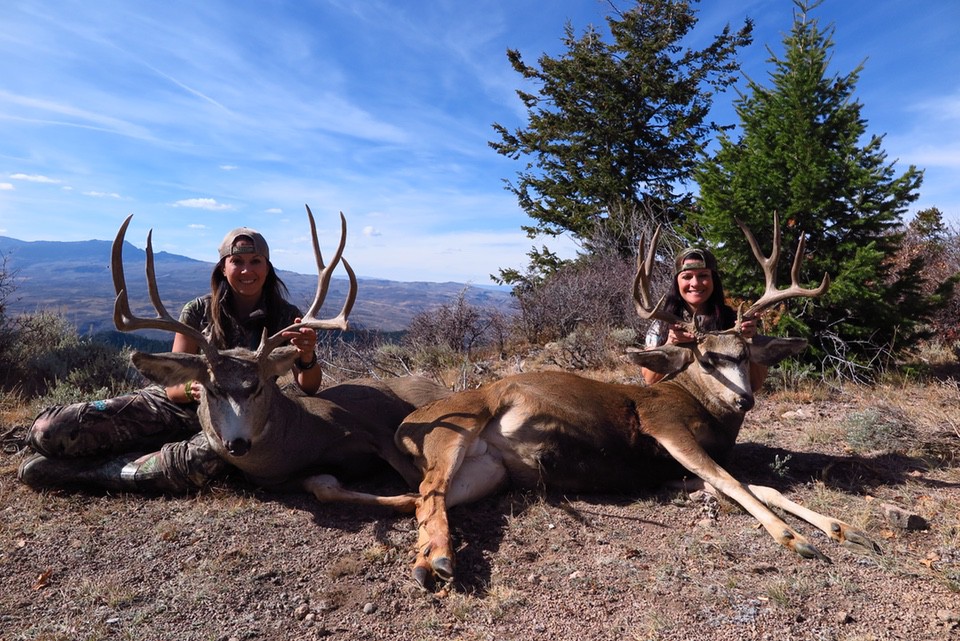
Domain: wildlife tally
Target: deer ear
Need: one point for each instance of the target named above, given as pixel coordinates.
(279, 361)
(170, 368)
(769, 350)
(666, 359)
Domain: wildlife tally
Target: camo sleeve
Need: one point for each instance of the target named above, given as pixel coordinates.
(194, 313)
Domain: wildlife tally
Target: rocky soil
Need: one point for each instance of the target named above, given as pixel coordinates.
(233, 563)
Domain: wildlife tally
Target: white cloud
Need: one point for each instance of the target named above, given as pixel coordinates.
(228, 167)
(203, 203)
(33, 178)
(100, 194)
(274, 210)
(6, 186)
(370, 231)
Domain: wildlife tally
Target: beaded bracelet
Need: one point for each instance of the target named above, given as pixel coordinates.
(305, 366)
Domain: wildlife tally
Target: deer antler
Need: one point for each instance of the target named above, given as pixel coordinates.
(267, 345)
(772, 295)
(123, 317)
(641, 288)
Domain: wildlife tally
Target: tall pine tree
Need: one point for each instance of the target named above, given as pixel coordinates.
(615, 124)
(801, 154)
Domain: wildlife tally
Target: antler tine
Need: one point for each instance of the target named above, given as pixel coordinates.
(124, 318)
(772, 295)
(641, 284)
(324, 273)
(268, 344)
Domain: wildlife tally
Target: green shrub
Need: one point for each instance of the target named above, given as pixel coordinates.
(878, 429)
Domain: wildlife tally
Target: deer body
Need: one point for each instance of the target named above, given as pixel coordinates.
(560, 431)
(566, 432)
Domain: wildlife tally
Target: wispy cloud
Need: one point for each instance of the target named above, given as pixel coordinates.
(34, 178)
(6, 186)
(203, 203)
(100, 194)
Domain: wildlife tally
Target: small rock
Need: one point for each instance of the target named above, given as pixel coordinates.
(844, 618)
(948, 616)
(301, 612)
(369, 608)
(900, 518)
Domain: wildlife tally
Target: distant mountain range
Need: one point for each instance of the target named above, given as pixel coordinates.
(73, 279)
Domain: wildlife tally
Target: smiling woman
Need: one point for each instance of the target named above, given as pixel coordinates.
(102, 443)
(697, 293)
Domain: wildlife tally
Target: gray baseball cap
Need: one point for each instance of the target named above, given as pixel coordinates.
(229, 245)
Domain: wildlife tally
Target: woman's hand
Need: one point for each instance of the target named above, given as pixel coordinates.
(308, 373)
(305, 340)
(748, 327)
(677, 334)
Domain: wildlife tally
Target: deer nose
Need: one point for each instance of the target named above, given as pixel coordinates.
(238, 446)
(745, 403)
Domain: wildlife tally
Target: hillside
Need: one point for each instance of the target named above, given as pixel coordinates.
(73, 278)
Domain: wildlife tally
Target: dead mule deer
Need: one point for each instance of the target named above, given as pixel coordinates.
(560, 431)
(272, 437)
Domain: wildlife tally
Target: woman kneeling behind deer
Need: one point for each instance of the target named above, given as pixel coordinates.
(112, 443)
(697, 292)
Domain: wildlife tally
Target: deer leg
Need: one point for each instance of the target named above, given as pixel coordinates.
(327, 489)
(843, 533)
(458, 468)
(688, 453)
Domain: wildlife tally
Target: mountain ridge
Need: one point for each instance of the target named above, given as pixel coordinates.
(73, 278)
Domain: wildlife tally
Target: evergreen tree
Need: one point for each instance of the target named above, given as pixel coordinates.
(800, 154)
(615, 126)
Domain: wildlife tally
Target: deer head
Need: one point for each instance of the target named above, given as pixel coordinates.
(721, 358)
(237, 383)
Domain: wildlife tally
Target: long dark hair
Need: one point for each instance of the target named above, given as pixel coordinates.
(715, 316)
(274, 298)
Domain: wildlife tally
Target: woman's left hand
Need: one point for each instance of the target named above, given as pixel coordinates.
(748, 327)
(305, 340)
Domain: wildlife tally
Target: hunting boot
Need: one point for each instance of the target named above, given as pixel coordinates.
(127, 473)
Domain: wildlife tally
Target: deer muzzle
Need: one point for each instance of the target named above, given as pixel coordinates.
(237, 447)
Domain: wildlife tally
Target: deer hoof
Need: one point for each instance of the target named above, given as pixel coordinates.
(859, 542)
(423, 577)
(443, 567)
(807, 551)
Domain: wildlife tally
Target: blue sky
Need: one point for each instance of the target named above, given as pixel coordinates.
(200, 116)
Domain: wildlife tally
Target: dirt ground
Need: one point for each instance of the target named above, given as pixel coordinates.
(232, 563)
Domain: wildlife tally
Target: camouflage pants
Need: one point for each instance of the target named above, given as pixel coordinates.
(176, 455)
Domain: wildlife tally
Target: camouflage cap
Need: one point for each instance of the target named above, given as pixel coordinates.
(695, 258)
